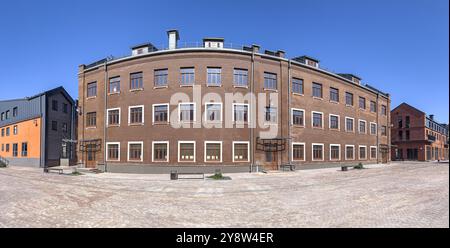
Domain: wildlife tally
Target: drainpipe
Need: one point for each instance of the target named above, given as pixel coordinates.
(289, 113)
(105, 114)
(378, 127)
(252, 155)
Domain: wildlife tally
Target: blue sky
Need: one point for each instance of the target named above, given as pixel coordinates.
(400, 47)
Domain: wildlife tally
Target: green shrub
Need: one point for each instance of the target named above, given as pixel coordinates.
(76, 173)
(359, 166)
(219, 176)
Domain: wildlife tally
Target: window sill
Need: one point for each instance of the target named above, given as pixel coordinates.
(113, 126)
(214, 162)
(241, 161)
(137, 90)
(298, 160)
(349, 131)
(298, 126)
(187, 85)
(186, 161)
(242, 87)
(297, 94)
(91, 97)
(318, 160)
(160, 87)
(318, 128)
(273, 90)
(114, 161)
(87, 128)
(350, 106)
(135, 124)
(114, 93)
(160, 161)
(335, 129)
(334, 102)
(217, 86)
(135, 161)
(270, 124)
(213, 122)
(318, 98)
(362, 109)
(160, 123)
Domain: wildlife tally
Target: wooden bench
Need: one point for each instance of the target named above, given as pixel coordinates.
(191, 175)
(58, 169)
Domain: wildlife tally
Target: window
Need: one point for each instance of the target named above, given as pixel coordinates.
(7, 148)
(55, 105)
(24, 152)
(400, 121)
(298, 117)
(3, 132)
(187, 76)
(362, 152)
(270, 81)
(271, 115)
(373, 106)
(15, 111)
(136, 81)
(213, 151)
(55, 125)
(160, 113)
(334, 95)
(349, 152)
(160, 151)
(186, 151)
(65, 108)
(7, 114)
(92, 89)
(15, 150)
(2, 116)
(335, 152)
(348, 98)
(373, 128)
(407, 121)
(114, 117)
(317, 90)
(297, 86)
(362, 126)
(334, 122)
(135, 151)
(91, 119)
(113, 151)
(407, 134)
(298, 151)
(161, 77)
(187, 112)
(213, 112)
(8, 131)
(317, 119)
(317, 152)
(15, 130)
(64, 127)
(383, 110)
(373, 152)
(114, 85)
(240, 112)
(240, 77)
(214, 77)
(400, 135)
(349, 124)
(241, 152)
(136, 115)
(362, 102)
(383, 130)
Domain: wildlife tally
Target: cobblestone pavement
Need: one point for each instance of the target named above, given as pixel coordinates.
(395, 195)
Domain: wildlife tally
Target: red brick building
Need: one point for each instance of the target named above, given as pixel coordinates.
(416, 136)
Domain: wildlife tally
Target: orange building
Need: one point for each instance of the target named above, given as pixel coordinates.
(32, 130)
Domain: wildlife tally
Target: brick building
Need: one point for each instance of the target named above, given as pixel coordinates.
(416, 136)
(129, 109)
(33, 129)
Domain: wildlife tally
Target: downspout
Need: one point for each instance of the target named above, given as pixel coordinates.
(252, 155)
(289, 113)
(378, 127)
(105, 114)
(388, 113)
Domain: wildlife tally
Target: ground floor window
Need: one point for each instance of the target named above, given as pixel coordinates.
(113, 151)
(15, 150)
(298, 151)
(135, 151)
(213, 151)
(373, 152)
(161, 151)
(362, 152)
(186, 151)
(24, 149)
(241, 151)
(335, 152)
(317, 152)
(413, 154)
(349, 152)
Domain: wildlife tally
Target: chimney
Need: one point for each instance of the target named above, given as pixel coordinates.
(432, 117)
(255, 48)
(281, 53)
(174, 36)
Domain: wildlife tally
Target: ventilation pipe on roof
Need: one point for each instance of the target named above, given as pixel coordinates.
(174, 36)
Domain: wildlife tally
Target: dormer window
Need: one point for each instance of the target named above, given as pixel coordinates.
(213, 42)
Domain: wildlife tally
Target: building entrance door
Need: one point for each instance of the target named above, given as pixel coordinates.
(91, 158)
(91, 150)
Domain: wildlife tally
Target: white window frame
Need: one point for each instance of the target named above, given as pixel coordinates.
(339, 122)
(248, 113)
(107, 149)
(107, 119)
(195, 150)
(353, 152)
(157, 105)
(376, 128)
(221, 111)
(312, 119)
(142, 150)
(129, 114)
(359, 152)
(352, 131)
(292, 117)
(221, 151)
(248, 151)
(304, 151)
(376, 153)
(359, 127)
(168, 151)
(340, 151)
(179, 112)
(312, 151)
